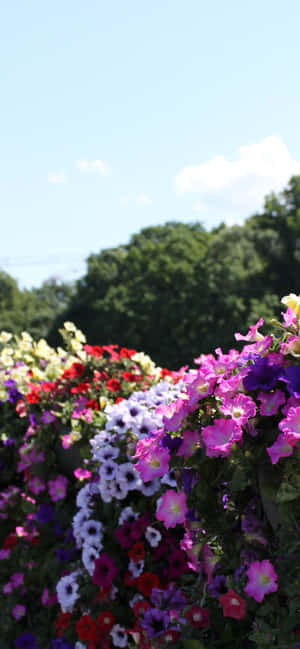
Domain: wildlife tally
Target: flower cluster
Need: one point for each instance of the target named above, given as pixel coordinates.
(52, 404)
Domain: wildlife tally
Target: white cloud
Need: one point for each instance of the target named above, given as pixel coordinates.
(98, 165)
(199, 206)
(56, 177)
(140, 199)
(238, 187)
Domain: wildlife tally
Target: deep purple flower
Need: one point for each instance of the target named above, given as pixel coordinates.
(188, 479)
(155, 622)
(33, 420)
(291, 376)
(63, 555)
(262, 375)
(61, 643)
(218, 586)
(10, 383)
(172, 443)
(45, 513)
(171, 598)
(14, 395)
(26, 641)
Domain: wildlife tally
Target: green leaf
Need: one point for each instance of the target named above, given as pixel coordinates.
(191, 643)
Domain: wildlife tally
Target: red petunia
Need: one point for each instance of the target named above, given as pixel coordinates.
(198, 617)
(86, 628)
(113, 385)
(81, 388)
(105, 621)
(127, 353)
(63, 623)
(146, 582)
(137, 552)
(34, 395)
(94, 350)
(10, 542)
(93, 403)
(233, 605)
(74, 372)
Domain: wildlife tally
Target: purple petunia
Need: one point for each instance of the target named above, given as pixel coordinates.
(26, 641)
(262, 375)
(155, 622)
(291, 376)
(45, 513)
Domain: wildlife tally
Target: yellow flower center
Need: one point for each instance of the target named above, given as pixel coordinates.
(265, 579)
(155, 463)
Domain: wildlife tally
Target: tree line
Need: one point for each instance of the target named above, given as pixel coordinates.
(174, 291)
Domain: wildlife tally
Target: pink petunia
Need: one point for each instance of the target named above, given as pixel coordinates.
(240, 408)
(262, 580)
(270, 402)
(191, 441)
(172, 508)
(221, 436)
(36, 485)
(58, 488)
(19, 611)
(82, 474)
(280, 448)
(153, 464)
(253, 333)
(17, 579)
(290, 426)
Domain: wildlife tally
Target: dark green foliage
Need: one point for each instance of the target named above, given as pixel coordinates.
(173, 291)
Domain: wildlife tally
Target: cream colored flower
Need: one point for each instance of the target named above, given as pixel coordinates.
(5, 336)
(292, 301)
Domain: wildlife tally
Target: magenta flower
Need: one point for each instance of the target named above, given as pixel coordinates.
(281, 448)
(19, 611)
(270, 402)
(191, 440)
(36, 485)
(58, 488)
(262, 580)
(174, 414)
(105, 571)
(172, 508)
(221, 436)
(82, 474)
(290, 426)
(153, 464)
(240, 408)
(17, 579)
(210, 561)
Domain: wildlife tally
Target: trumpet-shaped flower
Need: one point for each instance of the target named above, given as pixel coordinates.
(281, 448)
(270, 402)
(154, 463)
(191, 440)
(262, 580)
(221, 436)
(290, 426)
(240, 408)
(172, 508)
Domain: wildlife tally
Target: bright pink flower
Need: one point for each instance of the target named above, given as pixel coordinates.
(270, 402)
(253, 333)
(262, 580)
(19, 611)
(291, 426)
(153, 464)
(221, 436)
(82, 474)
(200, 387)
(36, 485)
(58, 488)
(280, 448)
(172, 508)
(173, 414)
(67, 440)
(292, 402)
(290, 318)
(7, 588)
(191, 441)
(240, 408)
(229, 387)
(260, 347)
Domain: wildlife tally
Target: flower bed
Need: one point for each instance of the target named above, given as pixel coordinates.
(185, 528)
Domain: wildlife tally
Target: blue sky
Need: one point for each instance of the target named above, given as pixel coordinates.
(123, 114)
